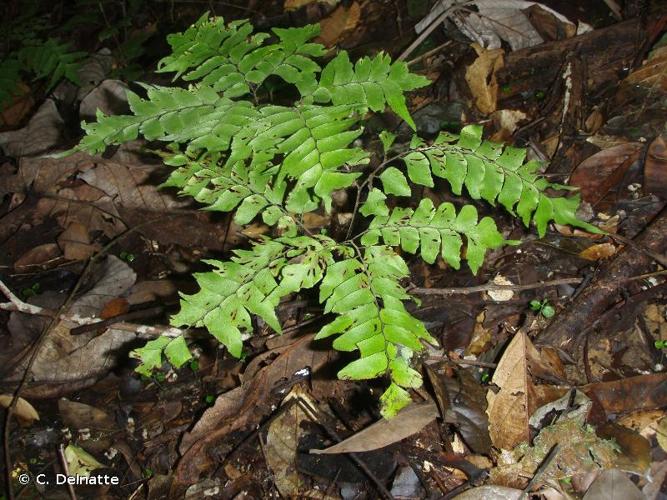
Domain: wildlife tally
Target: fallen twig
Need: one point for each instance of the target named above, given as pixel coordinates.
(465, 290)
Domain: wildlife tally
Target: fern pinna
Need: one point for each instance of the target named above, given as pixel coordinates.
(233, 154)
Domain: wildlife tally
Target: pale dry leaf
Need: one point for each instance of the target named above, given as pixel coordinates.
(481, 78)
(80, 462)
(510, 409)
(110, 97)
(501, 295)
(42, 133)
(23, 410)
(384, 432)
(489, 492)
(613, 484)
(281, 448)
(498, 20)
(75, 242)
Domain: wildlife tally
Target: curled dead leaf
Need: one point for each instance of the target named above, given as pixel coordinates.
(23, 410)
(481, 78)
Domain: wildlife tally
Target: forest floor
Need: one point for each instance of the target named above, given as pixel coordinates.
(550, 378)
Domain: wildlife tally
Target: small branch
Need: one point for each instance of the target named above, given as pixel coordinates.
(465, 290)
(431, 27)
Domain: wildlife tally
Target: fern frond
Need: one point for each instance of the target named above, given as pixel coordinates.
(199, 117)
(314, 142)
(495, 173)
(437, 231)
(253, 282)
(366, 294)
(230, 59)
(235, 186)
(371, 83)
(52, 59)
(310, 146)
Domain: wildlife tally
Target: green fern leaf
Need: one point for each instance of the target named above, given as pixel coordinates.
(494, 173)
(200, 118)
(253, 282)
(229, 58)
(176, 351)
(369, 84)
(437, 232)
(366, 295)
(53, 59)
(314, 143)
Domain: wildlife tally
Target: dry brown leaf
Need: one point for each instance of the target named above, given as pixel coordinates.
(599, 173)
(481, 78)
(244, 406)
(598, 252)
(384, 432)
(75, 242)
(612, 484)
(618, 397)
(655, 167)
(507, 121)
(14, 113)
(67, 362)
(510, 409)
(653, 73)
(23, 409)
(339, 23)
(38, 256)
(282, 446)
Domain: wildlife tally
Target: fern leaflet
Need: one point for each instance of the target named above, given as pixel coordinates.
(437, 231)
(366, 294)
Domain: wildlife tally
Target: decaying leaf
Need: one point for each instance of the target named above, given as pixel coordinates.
(67, 362)
(42, 133)
(464, 397)
(598, 174)
(80, 462)
(501, 295)
(490, 492)
(655, 166)
(500, 20)
(281, 448)
(510, 409)
(23, 410)
(580, 451)
(481, 78)
(246, 405)
(613, 484)
(598, 252)
(340, 22)
(385, 432)
(618, 397)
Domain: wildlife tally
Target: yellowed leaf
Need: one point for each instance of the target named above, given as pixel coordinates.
(23, 410)
(480, 337)
(598, 252)
(481, 77)
(340, 21)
